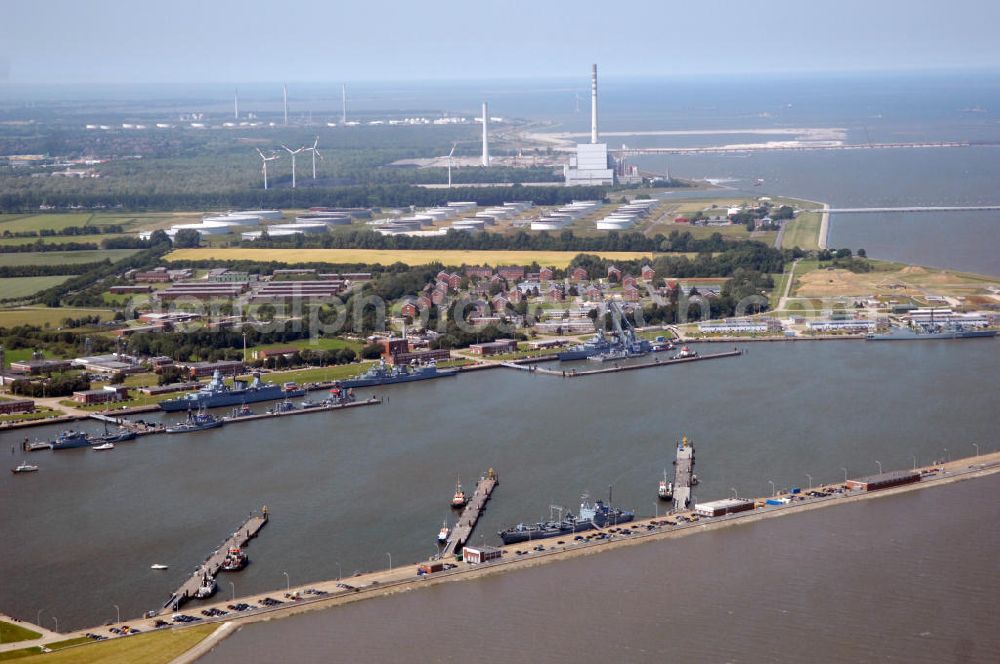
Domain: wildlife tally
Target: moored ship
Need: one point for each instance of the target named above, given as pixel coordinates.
(234, 561)
(216, 393)
(67, 440)
(545, 529)
(381, 373)
(459, 500)
(196, 422)
(595, 346)
(666, 488)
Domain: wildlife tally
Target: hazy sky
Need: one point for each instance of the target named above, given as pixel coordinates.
(57, 41)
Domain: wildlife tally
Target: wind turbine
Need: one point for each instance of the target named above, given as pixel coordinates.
(264, 161)
(293, 153)
(449, 163)
(315, 153)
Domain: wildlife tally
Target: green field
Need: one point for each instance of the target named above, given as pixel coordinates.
(18, 287)
(318, 374)
(42, 315)
(36, 222)
(64, 257)
(802, 232)
(58, 239)
(319, 343)
(11, 633)
(152, 648)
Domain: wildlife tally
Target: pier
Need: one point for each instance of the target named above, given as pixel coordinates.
(213, 563)
(470, 515)
(371, 401)
(573, 373)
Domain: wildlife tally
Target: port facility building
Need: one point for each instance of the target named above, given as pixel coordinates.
(884, 480)
(725, 506)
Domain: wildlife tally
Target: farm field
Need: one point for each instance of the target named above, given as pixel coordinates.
(17, 287)
(64, 257)
(43, 315)
(16, 223)
(803, 231)
(559, 259)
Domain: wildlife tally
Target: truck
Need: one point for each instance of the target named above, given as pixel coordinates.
(429, 568)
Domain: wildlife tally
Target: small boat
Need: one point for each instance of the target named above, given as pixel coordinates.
(103, 446)
(38, 445)
(666, 490)
(242, 411)
(281, 407)
(444, 532)
(24, 467)
(207, 588)
(459, 500)
(158, 566)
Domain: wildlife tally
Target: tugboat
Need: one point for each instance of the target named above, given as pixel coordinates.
(235, 560)
(67, 440)
(207, 588)
(666, 490)
(685, 352)
(196, 422)
(444, 532)
(459, 500)
(24, 467)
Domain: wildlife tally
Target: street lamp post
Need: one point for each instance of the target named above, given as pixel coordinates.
(56, 620)
(735, 493)
(656, 510)
(233, 586)
(845, 473)
(38, 617)
(339, 572)
(810, 481)
(914, 462)
(773, 492)
(946, 456)
(118, 613)
(390, 560)
(288, 582)
(976, 445)
(879, 464)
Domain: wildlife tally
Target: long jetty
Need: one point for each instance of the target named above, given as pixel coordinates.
(470, 515)
(573, 373)
(371, 401)
(213, 563)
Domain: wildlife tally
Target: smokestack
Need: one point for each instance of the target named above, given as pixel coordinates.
(593, 104)
(486, 144)
(284, 96)
(343, 92)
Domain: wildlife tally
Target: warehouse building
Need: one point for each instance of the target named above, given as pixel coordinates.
(475, 555)
(884, 480)
(725, 506)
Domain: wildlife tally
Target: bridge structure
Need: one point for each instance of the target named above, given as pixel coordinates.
(912, 208)
(793, 146)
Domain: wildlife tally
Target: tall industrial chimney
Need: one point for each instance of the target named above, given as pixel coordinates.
(593, 104)
(486, 143)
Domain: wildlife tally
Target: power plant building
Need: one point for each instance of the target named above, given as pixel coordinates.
(592, 164)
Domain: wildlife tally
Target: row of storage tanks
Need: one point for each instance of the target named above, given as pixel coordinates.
(627, 215)
(564, 216)
(473, 222)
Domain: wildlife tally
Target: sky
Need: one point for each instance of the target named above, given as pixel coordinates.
(185, 41)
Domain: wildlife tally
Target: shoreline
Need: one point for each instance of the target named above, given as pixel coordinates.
(957, 474)
(402, 578)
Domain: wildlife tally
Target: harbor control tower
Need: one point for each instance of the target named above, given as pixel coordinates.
(683, 474)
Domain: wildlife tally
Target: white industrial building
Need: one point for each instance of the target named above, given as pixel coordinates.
(269, 215)
(841, 325)
(733, 326)
(233, 220)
